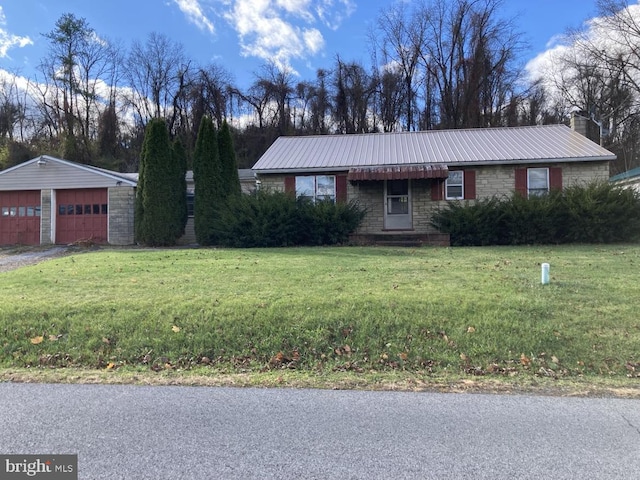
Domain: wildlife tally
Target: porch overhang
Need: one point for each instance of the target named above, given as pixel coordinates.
(397, 172)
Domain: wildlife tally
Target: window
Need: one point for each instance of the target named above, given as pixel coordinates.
(454, 185)
(397, 197)
(316, 188)
(537, 181)
(190, 202)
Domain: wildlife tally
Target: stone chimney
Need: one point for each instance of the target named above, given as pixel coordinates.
(585, 126)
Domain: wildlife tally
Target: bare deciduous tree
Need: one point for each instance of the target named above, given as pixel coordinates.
(158, 75)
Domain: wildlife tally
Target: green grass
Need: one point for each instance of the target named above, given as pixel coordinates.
(469, 311)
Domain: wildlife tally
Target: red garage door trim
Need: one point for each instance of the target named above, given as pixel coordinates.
(20, 217)
(81, 215)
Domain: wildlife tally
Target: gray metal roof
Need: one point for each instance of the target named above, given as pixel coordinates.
(537, 144)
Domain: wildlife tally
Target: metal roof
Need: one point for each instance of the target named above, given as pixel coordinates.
(629, 174)
(537, 144)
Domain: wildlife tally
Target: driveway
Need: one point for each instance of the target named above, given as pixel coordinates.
(16, 257)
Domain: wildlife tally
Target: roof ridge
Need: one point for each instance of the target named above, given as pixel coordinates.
(413, 132)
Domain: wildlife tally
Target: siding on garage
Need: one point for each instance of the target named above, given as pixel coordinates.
(54, 174)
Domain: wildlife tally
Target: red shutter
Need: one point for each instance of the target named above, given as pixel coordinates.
(521, 181)
(341, 188)
(290, 185)
(469, 185)
(437, 190)
(555, 178)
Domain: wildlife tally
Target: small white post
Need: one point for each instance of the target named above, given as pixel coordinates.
(545, 273)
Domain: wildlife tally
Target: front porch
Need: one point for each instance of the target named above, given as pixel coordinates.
(395, 239)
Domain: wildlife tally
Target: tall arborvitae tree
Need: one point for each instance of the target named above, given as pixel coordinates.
(139, 204)
(180, 159)
(207, 179)
(228, 165)
(158, 223)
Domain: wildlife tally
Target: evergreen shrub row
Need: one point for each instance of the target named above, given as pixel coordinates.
(275, 219)
(595, 213)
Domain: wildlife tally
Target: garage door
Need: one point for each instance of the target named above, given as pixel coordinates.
(20, 218)
(81, 215)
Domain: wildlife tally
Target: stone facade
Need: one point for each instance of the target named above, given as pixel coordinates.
(491, 180)
(500, 180)
(121, 215)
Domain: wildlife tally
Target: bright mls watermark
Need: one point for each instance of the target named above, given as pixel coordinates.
(50, 467)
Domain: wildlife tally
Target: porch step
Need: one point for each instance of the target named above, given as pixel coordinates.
(401, 240)
(399, 243)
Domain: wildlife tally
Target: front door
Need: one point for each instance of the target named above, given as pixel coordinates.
(397, 200)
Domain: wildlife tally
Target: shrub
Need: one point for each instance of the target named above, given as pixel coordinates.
(275, 219)
(601, 213)
(160, 189)
(596, 213)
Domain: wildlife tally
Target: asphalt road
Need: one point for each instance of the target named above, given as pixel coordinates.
(138, 432)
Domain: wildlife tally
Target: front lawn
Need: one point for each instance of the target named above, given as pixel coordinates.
(361, 310)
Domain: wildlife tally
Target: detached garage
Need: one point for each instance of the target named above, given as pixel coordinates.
(48, 200)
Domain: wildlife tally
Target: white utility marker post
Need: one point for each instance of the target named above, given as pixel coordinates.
(545, 273)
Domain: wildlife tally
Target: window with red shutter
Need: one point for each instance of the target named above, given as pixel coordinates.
(437, 190)
(290, 184)
(521, 181)
(317, 187)
(469, 185)
(341, 188)
(555, 178)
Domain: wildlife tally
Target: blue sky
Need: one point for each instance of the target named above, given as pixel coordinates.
(242, 34)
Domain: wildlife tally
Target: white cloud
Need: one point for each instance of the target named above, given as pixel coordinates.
(334, 12)
(298, 8)
(554, 67)
(9, 40)
(195, 14)
(556, 40)
(284, 30)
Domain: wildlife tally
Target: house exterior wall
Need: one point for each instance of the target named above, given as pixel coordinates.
(272, 183)
(121, 215)
(491, 180)
(500, 179)
(370, 196)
